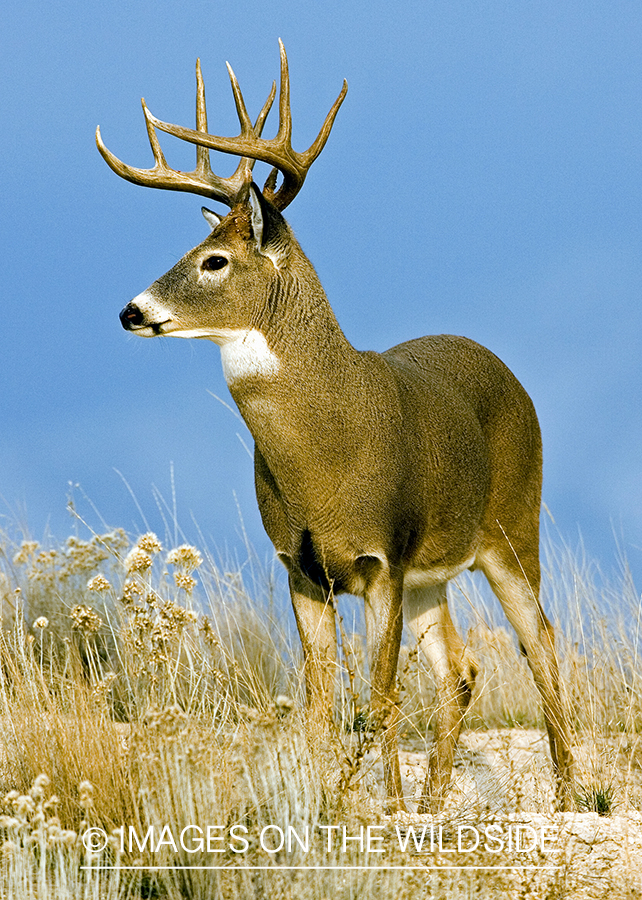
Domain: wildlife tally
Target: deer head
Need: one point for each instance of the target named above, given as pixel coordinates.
(251, 241)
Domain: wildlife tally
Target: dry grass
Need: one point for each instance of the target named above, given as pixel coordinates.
(140, 689)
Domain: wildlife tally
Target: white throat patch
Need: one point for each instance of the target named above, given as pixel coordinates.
(244, 351)
(245, 354)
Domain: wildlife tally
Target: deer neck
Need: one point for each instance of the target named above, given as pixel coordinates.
(287, 373)
(293, 346)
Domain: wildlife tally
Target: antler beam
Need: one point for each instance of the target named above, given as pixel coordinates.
(248, 144)
(202, 180)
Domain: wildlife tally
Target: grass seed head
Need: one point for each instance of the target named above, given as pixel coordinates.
(98, 584)
(86, 794)
(84, 618)
(42, 781)
(26, 553)
(149, 543)
(46, 566)
(83, 556)
(185, 557)
(185, 582)
(115, 541)
(176, 616)
(131, 591)
(283, 704)
(205, 627)
(137, 560)
(24, 805)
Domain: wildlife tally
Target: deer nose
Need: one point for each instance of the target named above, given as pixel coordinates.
(130, 316)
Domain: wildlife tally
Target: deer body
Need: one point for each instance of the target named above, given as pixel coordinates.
(380, 475)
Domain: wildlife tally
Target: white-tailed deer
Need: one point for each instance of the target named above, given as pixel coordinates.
(377, 474)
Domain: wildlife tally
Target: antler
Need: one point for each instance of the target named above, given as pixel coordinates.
(202, 180)
(249, 144)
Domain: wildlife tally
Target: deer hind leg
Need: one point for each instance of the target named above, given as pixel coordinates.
(384, 625)
(515, 580)
(427, 615)
(314, 614)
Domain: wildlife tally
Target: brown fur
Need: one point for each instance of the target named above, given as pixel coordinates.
(381, 475)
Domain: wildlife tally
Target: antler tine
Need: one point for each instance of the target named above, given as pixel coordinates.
(148, 177)
(285, 110)
(241, 109)
(277, 151)
(202, 153)
(262, 116)
(292, 185)
(202, 180)
(315, 149)
(247, 162)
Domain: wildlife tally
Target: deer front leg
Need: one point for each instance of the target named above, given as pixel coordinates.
(454, 670)
(314, 614)
(384, 624)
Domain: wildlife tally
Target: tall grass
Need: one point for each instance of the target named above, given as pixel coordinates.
(145, 687)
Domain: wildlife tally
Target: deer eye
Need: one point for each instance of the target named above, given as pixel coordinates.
(212, 263)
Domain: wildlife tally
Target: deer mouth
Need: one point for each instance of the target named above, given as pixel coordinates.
(156, 329)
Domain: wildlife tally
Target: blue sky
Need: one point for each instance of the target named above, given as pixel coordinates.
(484, 177)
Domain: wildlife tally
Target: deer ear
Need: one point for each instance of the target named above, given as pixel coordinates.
(210, 217)
(255, 200)
(269, 228)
